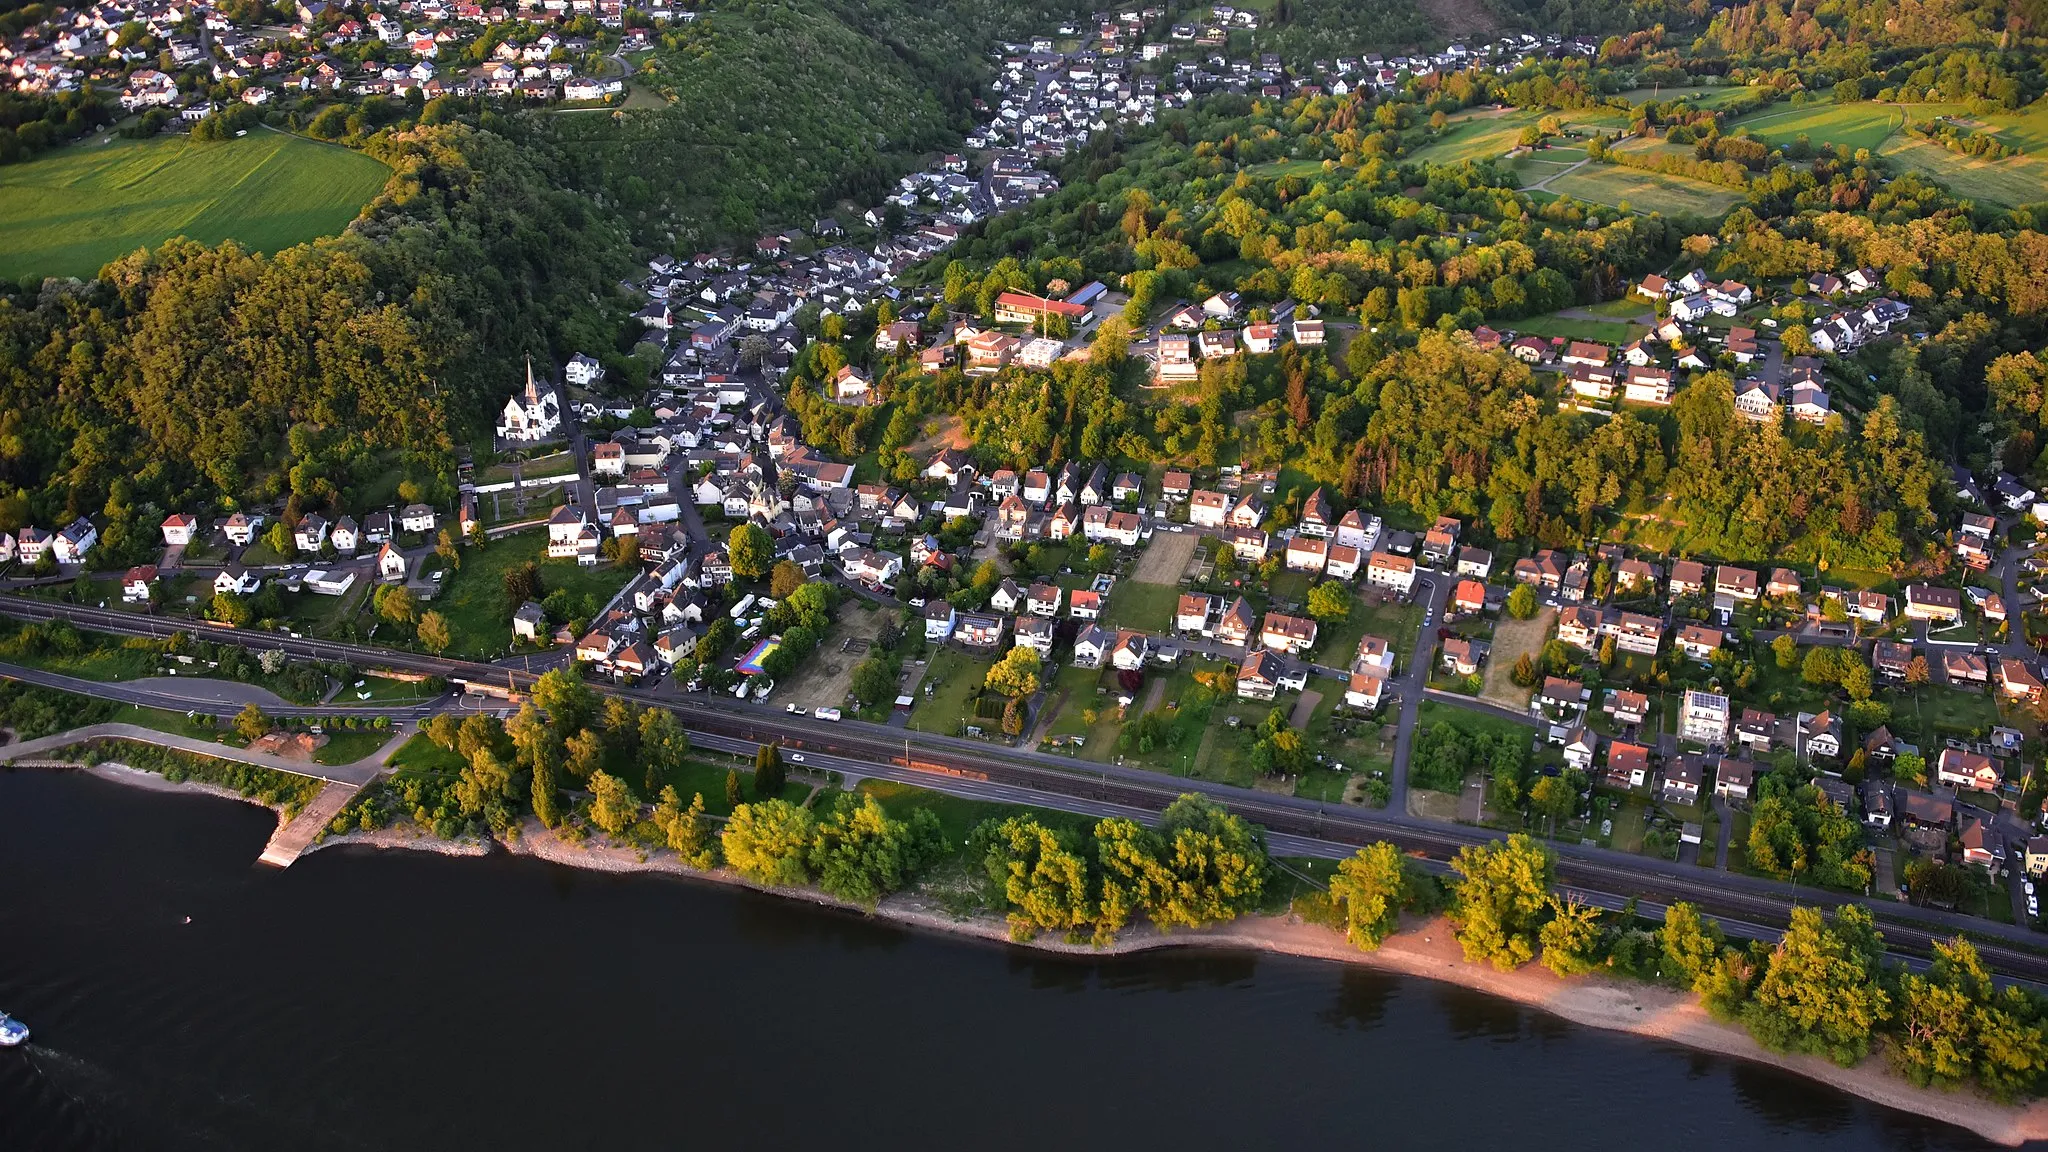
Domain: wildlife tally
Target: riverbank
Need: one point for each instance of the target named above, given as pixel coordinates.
(1425, 949)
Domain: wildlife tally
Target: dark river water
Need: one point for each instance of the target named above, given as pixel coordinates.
(394, 1000)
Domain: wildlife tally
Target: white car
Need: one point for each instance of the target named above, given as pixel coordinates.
(796, 757)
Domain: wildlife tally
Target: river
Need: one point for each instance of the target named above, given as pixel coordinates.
(369, 1000)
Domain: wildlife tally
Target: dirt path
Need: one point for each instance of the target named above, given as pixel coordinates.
(1304, 709)
(1046, 716)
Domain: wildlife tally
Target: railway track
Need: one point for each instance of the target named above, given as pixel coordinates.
(2016, 952)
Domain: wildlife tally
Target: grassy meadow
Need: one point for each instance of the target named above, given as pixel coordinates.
(73, 210)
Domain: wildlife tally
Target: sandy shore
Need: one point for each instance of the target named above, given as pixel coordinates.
(1424, 949)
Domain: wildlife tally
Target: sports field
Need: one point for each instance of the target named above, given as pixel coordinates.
(72, 211)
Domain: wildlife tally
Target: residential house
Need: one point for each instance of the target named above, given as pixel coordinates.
(1191, 616)
(1688, 578)
(1740, 583)
(1961, 769)
(237, 580)
(1263, 674)
(1628, 765)
(1307, 554)
(1819, 735)
(1700, 643)
(1927, 602)
(240, 528)
(311, 532)
(980, 630)
(1291, 634)
(1469, 597)
(1236, 624)
(1734, 779)
(179, 528)
(1208, 509)
(1756, 730)
(1386, 570)
(1626, 707)
(2018, 681)
(1703, 717)
(136, 585)
(1462, 656)
(1681, 780)
(1035, 633)
(939, 620)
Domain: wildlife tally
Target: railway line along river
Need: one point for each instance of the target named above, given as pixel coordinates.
(183, 999)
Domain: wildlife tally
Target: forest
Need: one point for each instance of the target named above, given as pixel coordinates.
(196, 379)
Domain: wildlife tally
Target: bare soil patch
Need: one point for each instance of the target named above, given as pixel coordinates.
(1457, 18)
(1165, 559)
(940, 433)
(289, 745)
(1511, 638)
(827, 676)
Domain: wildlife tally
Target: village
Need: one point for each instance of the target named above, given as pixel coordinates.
(1656, 686)
(1659, 685)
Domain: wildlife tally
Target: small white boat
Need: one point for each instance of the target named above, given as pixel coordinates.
(12, 1031)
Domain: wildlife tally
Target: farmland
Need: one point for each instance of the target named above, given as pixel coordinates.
(1645, 191)
(1490, 135)
(72, 211)
(1863, 124)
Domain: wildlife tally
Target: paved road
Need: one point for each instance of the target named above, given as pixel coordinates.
(198, 694)
(358, 773)
(1413, 685)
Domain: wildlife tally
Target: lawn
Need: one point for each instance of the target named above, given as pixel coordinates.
(348, 747)
(1145, 607)
(1394, 622)
(1643, 191)
(473, 597)
(1434, 712)
(1602, 331)
(73, 210)
(959, 816)
(954, 677)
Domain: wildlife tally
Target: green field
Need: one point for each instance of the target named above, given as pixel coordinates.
(1489, 136)
(1864, 124)
(72, 211)
(1612, 184)
(2012, 181)
(1697, 95)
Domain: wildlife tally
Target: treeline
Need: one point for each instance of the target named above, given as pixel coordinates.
(1201, 866)
(1825, 988)
(33, 123)
(194, 379)
(1727, 173)
(282, 790)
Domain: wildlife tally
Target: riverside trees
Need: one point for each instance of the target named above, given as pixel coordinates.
(1202, 866)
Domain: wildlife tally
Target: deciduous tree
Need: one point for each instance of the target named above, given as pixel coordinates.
(1368, 891)
(1500, 899)
(769, 842)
